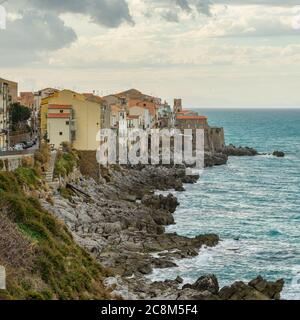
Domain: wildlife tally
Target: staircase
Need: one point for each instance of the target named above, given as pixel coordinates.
(50, 171)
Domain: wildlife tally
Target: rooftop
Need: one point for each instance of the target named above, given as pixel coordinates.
(132, 117)
(191, 117)
(59, 115)
(59, 106)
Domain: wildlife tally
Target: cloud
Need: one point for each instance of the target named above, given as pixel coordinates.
(27, 37)
(110, 13)
(170, 16)
(204, 7)
(38, 27)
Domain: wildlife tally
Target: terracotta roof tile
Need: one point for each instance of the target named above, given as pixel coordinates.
(59, 106)
(191, 118)
(59, 115)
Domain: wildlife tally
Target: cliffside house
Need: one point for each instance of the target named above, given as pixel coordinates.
(134, 122)
(143, 114)
(165, 116)
(8, 95)
(60, 124)
(27, 99)
(188, 119)
(190, 122)
(115, 100)
(75, 118)
(136, 98)
(105, 121)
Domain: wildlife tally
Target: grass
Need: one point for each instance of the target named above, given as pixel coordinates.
(65, 163)
(60, 268)
(27, 176)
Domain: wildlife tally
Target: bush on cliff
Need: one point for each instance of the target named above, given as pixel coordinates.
(38, 252)
(65, 163)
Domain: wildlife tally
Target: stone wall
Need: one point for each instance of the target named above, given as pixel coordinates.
(11, 163)
(214, 139)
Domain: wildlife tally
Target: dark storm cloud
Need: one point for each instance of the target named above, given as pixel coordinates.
(110, 13)
(35, 32)
(39, 28)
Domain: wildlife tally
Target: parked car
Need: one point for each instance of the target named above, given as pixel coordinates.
(19, 147)
(27, 144)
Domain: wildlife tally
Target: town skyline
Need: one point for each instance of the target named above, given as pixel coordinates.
(209, 53)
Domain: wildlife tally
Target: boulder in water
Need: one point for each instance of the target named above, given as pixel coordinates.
(279, 154)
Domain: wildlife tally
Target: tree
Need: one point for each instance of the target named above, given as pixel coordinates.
(19, 116)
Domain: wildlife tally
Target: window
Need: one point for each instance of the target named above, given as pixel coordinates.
(67, 123)
(61, 111)
(60, 133)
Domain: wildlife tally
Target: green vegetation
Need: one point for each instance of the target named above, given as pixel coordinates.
(66, 193)
(27, 176)
(65, 163)
(42, 158)
(41, 258)
(19, 116)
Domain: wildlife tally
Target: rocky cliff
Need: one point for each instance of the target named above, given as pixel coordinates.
(121, 222)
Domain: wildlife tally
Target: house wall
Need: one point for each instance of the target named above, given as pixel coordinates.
(8, 95)
(191, 123)
(57, 126)
(87, 115)
(143, 113)
(150, 106)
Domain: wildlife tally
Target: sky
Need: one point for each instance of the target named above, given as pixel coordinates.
(210, 53)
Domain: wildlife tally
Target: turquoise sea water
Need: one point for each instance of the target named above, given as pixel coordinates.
(253, 203)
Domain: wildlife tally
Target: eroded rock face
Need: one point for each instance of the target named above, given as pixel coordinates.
(215, 159)
(270, 289)
(257, 289)
(123, 223)
(205, 283)
(231, 150)
(168, 203)
(123, 226)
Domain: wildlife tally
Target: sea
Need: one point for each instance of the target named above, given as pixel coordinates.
(252, 203)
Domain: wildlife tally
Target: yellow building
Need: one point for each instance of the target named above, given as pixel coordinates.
(70, 116)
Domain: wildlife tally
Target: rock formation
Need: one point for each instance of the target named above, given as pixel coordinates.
(122, 224)
(231, 150)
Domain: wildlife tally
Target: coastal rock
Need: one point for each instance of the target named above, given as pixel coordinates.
(231, 150)
(257, 289)
(168, 203)
(271, 289)
(192, 294)
(205, 283)
(215, 159)
(279, 154)
(128, 236)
